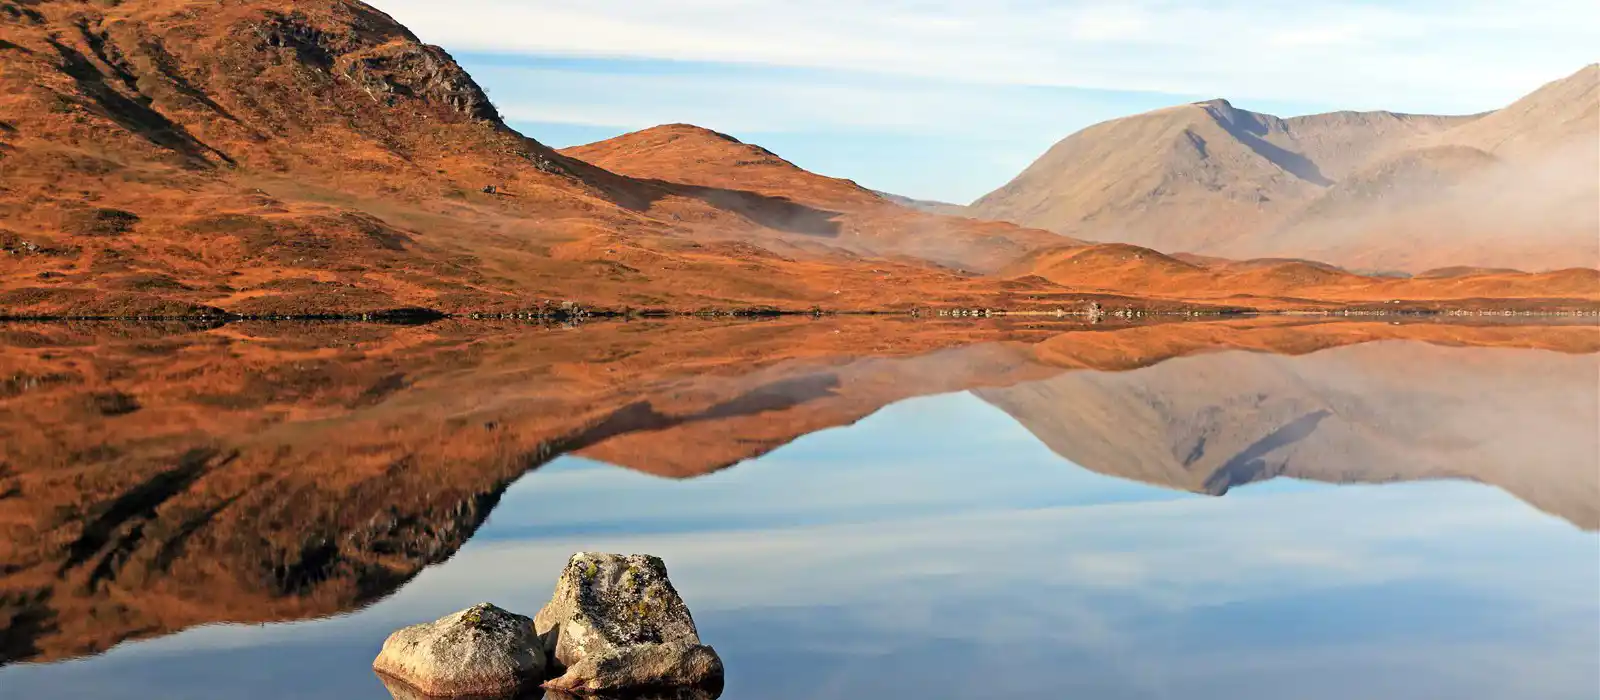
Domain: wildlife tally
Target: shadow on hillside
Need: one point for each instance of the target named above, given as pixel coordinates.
(1250, 132)
(777, 213)
(133, 115)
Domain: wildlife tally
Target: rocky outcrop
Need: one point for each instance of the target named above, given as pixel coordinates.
(482, 650)
(615, 623)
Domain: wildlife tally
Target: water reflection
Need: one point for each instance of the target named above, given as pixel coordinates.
(398, 690)
(1375, 413)
(942, 546)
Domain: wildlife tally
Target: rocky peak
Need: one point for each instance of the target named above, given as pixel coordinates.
(382, 57)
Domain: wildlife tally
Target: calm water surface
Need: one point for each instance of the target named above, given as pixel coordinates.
(1401, 520)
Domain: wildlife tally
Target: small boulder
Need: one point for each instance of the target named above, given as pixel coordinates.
(482, 650)
(616, 623)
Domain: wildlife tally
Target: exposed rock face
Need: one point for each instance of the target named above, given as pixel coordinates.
(616, 623)
(482, 650)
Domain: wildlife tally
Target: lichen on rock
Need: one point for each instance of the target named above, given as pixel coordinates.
(483, 650)
(616, 622)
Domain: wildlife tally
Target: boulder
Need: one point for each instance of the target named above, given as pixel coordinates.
(482, 650)
(616, 623)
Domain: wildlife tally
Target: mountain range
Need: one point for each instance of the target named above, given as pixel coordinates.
(264, 158)
(1377, 191)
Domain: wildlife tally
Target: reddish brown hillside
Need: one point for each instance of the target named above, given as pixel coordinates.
(694, 155)
(1280, 283)
(269, 157)
(854, 218)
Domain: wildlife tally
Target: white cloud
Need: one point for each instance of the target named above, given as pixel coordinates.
(756, 103)
(1419, 55)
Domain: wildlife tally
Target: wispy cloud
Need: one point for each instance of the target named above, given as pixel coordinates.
(734, 99)
(948, 99)
(937, 139)
(1417, 54)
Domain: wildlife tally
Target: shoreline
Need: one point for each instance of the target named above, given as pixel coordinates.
(420, 316)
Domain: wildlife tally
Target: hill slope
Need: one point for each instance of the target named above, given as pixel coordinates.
(839, 213)
(1562, 113)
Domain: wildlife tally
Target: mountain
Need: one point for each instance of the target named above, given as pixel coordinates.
(1192, 177)
(1366, 190)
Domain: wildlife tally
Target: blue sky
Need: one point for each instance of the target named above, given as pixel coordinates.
(948, 99)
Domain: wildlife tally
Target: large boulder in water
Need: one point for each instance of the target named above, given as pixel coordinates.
(616, 623)
(482, 650)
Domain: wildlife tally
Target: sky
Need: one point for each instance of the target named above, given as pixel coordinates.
(949, 99)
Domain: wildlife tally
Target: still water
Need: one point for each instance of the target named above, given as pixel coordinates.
(1388, 519)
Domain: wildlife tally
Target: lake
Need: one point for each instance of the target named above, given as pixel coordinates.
(852, 508)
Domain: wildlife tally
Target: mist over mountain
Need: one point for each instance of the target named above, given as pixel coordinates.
(1367, 190)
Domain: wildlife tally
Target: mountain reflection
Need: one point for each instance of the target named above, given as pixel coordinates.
(157, 478)
(1374, 413)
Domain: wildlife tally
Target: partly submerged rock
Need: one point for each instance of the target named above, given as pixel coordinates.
(482, 650)
(616, 623)
(643, 666)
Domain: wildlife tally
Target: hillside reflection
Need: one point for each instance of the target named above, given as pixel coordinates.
(157, 478)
